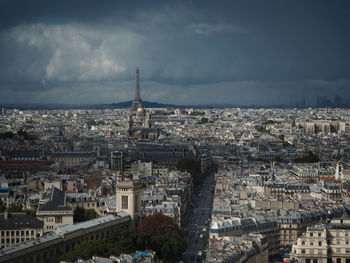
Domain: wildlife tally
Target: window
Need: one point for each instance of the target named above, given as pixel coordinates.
(303, 251)
(347, 242)
(58, 219)
(303, 242)
(124, 202)
(319, 234)
(320, 243)
(311, 234)
(338, 260)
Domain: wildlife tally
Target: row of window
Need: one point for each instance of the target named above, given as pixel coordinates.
(7, 241)
(17, 233)
(311, 243)
(338, 250)
(58, 219)
(347, 260)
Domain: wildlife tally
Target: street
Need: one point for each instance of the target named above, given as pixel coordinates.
(199, 216)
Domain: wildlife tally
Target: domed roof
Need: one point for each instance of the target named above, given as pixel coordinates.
(140, 109)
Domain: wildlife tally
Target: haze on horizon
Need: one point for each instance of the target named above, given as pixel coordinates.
(188, 52)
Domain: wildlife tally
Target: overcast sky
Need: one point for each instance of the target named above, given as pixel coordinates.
(188, 52)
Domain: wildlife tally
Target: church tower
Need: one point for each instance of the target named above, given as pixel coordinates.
(128, 197)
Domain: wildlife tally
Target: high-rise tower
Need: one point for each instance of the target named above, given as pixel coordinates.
(137, 98)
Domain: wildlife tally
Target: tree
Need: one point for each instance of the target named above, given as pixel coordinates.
(2, 206)
(156, 224)
(15, 208)
(167, 239)
(30, 212)
(203, 120)
(81, 214)
(120, 241)
(170, 246)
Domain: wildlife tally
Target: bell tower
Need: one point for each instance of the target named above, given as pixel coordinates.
(128, 197)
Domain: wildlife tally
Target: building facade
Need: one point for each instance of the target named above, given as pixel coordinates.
(16, 228)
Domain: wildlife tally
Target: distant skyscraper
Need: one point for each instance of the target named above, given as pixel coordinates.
(137, 98)
(2, 110)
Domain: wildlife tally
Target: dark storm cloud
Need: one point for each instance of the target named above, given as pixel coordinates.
(207, 51)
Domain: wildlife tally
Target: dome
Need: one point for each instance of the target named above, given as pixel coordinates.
(140, 109)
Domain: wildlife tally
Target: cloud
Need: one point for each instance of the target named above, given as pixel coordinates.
(187, 52)
(74, 52)
(209, 29)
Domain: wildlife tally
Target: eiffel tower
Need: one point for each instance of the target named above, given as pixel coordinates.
(137, 98)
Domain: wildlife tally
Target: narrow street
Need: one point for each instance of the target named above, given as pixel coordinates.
(198, 218)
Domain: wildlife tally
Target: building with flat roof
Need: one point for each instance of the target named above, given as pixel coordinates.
(63, 239)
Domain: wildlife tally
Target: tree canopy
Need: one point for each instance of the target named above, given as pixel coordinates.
(81, 214)
(203, 120)
(157, 224)
(13, 208)
(167, 239)
(121, 241)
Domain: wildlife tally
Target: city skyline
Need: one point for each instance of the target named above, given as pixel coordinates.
(188, 52)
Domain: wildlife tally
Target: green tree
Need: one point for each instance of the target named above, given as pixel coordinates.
(120, 241)
(15, 208)
(268, 122)
(2, 206)
(170, 245)
(203, 120)
(167, 239)
(81, 214)
(30, 212)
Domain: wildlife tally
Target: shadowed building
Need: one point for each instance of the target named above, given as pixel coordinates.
(16, 228)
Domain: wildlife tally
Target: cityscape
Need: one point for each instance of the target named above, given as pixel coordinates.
(155, 131)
